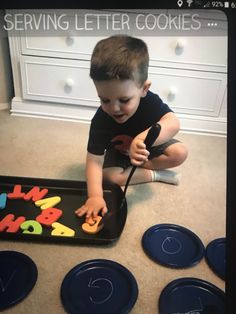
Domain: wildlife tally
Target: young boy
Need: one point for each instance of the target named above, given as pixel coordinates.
(119, 69)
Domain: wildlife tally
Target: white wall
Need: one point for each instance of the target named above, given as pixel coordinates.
(6, 84)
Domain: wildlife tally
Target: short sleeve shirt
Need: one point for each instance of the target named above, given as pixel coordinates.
(105, 132)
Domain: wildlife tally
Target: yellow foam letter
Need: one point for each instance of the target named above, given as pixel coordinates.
(48, 202)
(61, 230)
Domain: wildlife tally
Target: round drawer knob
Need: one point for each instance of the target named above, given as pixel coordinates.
(180, 45)
(70, 83)
(70, 39)
(172, 93)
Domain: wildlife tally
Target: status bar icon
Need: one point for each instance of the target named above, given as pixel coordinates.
(189, 2)
(207, 5)
(180, 3)
(198, 3)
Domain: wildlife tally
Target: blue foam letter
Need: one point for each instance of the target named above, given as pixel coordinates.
(3, 200)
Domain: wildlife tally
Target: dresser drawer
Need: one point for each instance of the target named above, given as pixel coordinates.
(188, 42)
(189, 92)
(171, 48)
(83, 30)
(67, 81)
(67, 46)
(169, 51)
(200, 53)
(57, 80)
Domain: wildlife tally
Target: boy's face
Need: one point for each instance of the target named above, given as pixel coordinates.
(120, 98)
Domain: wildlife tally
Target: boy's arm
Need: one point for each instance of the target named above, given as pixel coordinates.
(95, 201)
(169, 128)
(94, 165)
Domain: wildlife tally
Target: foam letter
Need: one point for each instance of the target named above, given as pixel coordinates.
(92, 226)
(49, 216)
(32, 227)
(9, 224)
(48, 202)
(16, 194)
(3, 200)
(61, 230)
(35, 194)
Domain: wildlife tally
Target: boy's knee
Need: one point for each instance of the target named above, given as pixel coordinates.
(113, 176)
(180, 154)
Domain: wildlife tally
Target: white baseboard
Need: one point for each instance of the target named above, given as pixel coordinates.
(203, 125)
(53, 111)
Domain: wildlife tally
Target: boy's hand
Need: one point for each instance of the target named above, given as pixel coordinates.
(138, 152)
(92, 207)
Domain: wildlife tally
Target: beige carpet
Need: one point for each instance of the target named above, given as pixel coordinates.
(42, 148)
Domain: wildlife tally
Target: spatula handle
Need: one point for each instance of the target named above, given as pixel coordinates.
(152, 135)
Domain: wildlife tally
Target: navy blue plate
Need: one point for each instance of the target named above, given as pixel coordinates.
(173, 245)
(191, 296)
(215, 256)
(18, 275)
(99, 286)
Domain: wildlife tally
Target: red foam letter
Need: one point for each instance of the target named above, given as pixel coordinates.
(49, 216)
(10, 224)
(16, 193)
(35, 194)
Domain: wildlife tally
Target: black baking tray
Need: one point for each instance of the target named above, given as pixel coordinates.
(73, 194)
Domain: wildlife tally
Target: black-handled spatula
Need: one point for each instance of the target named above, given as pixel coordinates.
(152, 135)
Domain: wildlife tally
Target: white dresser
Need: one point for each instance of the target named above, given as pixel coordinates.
(188, 70)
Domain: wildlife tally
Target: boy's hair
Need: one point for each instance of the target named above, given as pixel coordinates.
(120, 57)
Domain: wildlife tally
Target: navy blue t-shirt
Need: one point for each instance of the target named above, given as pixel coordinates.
(105, 132)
